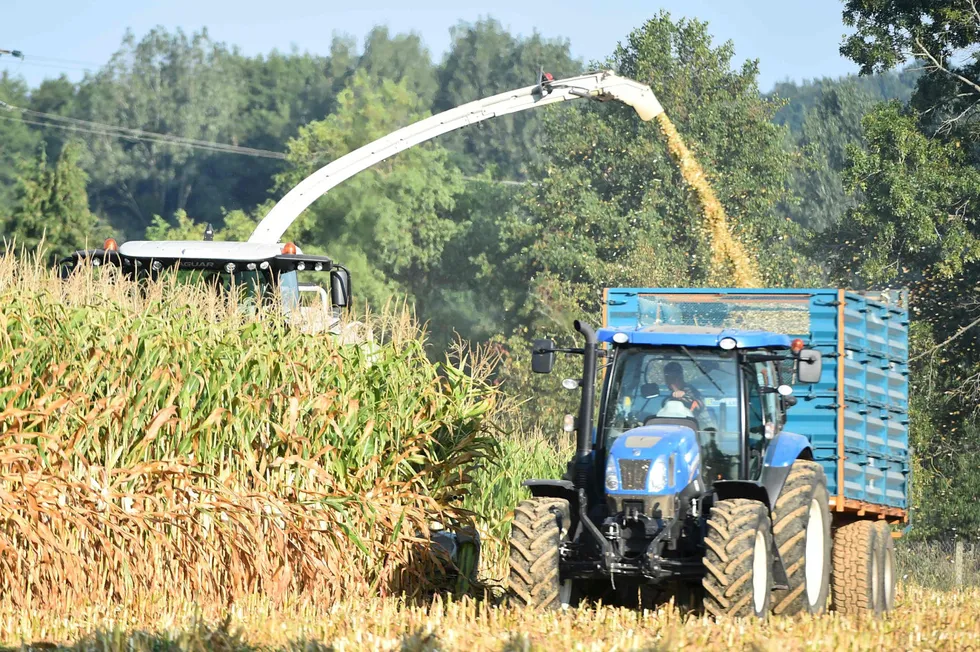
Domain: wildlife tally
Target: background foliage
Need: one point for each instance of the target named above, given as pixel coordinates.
(508, 230)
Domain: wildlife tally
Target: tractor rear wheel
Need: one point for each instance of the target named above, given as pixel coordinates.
(801, 529)
(738, 559)
(886, 557)
(856, 576)
(536, 532)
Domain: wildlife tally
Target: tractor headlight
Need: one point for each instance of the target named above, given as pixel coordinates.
(657, 480)
(612, 480)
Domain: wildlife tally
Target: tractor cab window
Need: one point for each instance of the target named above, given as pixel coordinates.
(663, 384)
(761, 381)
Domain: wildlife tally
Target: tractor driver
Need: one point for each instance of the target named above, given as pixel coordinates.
(681, 390)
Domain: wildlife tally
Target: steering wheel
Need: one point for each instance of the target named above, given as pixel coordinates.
(685, 401)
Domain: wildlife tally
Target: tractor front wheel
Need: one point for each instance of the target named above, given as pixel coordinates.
(536, 534)
(801, 529)
(738, 559)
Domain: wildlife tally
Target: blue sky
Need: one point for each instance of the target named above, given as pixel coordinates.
(795, 39)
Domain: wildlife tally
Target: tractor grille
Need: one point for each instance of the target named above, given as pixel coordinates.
(634, 474)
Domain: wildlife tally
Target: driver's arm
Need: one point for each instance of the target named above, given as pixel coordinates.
(695, 398)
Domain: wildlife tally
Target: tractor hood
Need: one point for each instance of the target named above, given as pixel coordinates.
(654, 459)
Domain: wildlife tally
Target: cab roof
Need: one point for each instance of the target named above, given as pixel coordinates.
(200, 249)
(676, 335)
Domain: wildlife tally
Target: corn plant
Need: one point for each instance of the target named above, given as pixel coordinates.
(155, 437)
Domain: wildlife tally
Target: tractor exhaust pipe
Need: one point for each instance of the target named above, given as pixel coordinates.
(583, 447)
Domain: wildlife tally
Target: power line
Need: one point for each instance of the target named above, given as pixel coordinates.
(50, 62)
(73, 62)
(102, 129)
(221, 150)
(54, 66)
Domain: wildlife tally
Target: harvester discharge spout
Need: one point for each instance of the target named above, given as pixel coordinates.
(601, 86)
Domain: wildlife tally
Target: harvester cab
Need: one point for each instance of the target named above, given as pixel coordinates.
(253, 272)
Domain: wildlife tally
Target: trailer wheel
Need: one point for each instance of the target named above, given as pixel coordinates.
(856, 575)
(738, 559)
(886, 558)
(533, 576)
(801, 530)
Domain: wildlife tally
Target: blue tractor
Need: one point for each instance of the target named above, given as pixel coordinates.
(690, 485)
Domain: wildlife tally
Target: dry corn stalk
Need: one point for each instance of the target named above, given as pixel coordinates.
(159, 441)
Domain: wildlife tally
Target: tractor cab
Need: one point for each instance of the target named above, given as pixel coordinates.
(731, 389)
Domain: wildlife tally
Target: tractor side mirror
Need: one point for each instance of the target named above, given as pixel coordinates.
(650, 390)
(340, 288)
(543, 356)
(809, 366)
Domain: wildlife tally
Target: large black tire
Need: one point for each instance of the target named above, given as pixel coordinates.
(856, 576)
(886, 558)
(738, 559)
(801, 530)
(536, 533)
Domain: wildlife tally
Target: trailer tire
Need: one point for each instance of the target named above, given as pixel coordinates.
(738, 559)
(536, 532)
(801, 531)
(856, 575)
(886, 558)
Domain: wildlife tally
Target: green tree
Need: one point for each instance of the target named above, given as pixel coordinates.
(799, 98)
(921, 202)
(484, 59)
(612, 207)
(17, 142)
(168, 83)
(236, 226)
(51, 205)
(402, 59)
(916, 226)
(56, 96)
(465, 292)
(942, 37)
(283, 92)
(391, 223)
(827, 129)
(824, 118)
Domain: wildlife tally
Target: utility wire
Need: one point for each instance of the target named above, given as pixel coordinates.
(220, 150)
(102, 129)
(50, 62)
(73, 62)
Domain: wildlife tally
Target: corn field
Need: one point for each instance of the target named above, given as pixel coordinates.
(154, 440)
(178, 474)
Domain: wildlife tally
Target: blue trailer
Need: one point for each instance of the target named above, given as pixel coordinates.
(750, 454)
(856, 416)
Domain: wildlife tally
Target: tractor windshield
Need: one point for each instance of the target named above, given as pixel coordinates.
(653, 383)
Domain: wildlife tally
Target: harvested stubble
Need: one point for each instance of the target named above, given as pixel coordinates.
(925, 619)
(160, 442)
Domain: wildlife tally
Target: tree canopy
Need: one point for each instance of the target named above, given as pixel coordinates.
(511, 228)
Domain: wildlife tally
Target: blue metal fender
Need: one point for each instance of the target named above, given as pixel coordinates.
(785, 449)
